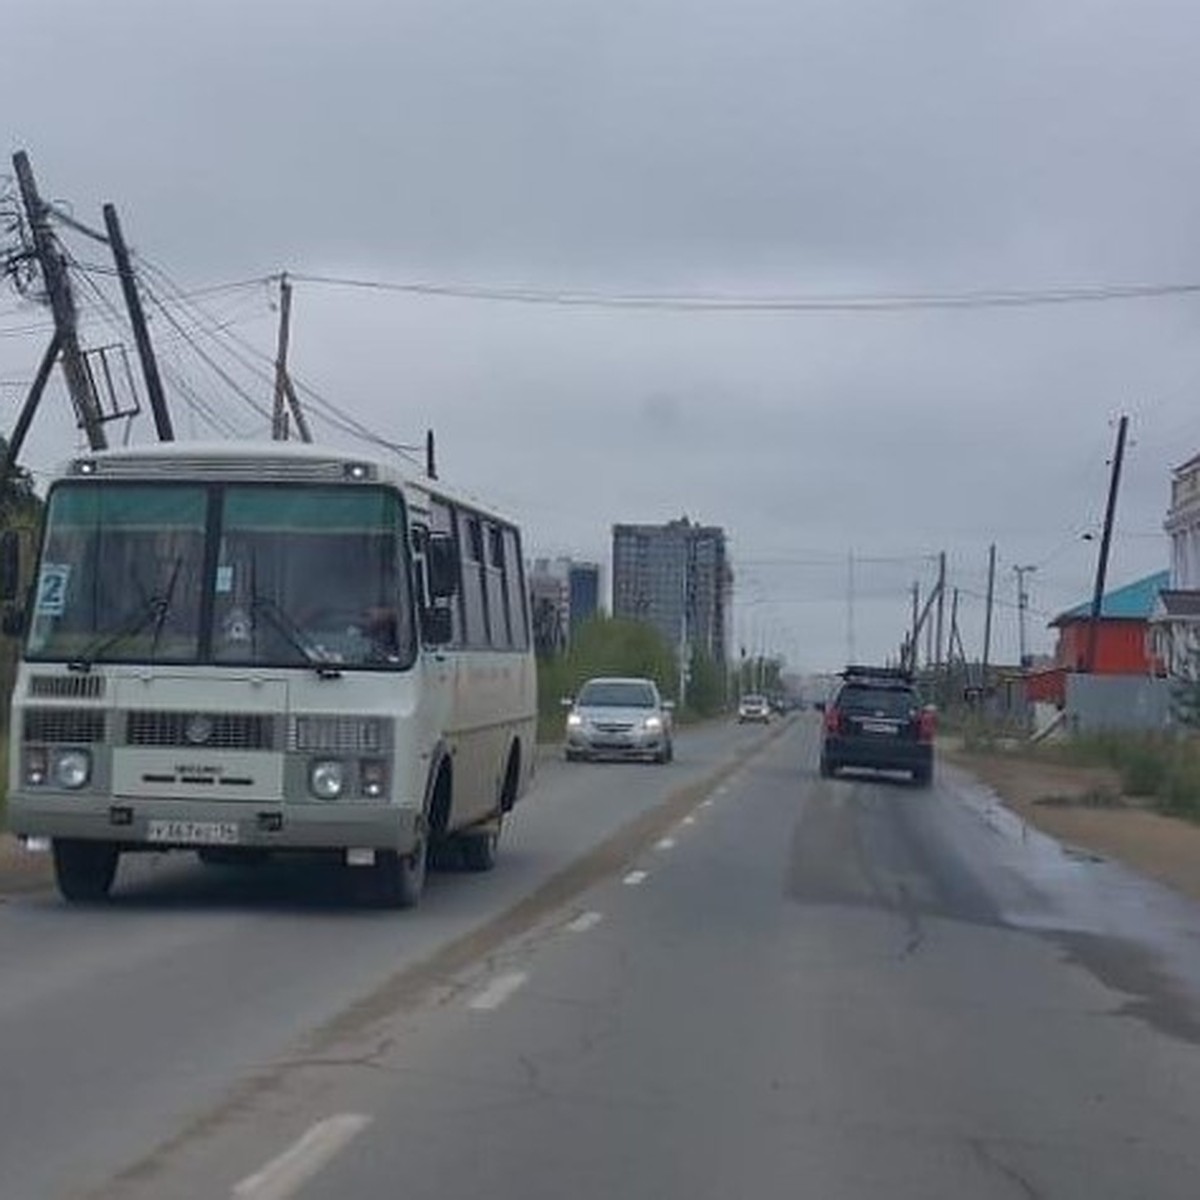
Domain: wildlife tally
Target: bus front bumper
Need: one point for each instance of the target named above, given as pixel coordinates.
(150, 824)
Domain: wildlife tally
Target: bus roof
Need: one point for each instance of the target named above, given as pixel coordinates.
(265, 461)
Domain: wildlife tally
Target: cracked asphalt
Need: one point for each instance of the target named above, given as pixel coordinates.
(829, 988)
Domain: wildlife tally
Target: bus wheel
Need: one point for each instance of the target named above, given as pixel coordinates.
(397, 880)
(84, 871)
(479, 849)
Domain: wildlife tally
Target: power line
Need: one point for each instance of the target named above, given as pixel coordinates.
(718, 302)
(325, 409)
(194, 401)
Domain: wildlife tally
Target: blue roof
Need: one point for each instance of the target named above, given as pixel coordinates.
(1133, 602)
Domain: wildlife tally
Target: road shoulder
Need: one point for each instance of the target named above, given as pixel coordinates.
(1060, 800)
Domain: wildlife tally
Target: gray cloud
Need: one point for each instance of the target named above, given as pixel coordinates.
(819, 147)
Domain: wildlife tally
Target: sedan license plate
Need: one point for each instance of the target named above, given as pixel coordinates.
(194, 833)
(880, 727)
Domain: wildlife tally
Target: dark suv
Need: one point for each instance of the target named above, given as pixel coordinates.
(877, 721)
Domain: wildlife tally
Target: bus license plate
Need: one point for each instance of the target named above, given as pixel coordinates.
(194, 833)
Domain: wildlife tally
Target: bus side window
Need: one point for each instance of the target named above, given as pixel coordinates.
(514, 584)
(470, 548)
(442, 521)
(497, 595)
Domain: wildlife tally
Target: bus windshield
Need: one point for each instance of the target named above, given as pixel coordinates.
(293, 575)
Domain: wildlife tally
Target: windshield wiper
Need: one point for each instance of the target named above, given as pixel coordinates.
(294, 636)
(155, 609)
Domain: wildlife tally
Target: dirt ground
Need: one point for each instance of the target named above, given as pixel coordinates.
(1164, 848)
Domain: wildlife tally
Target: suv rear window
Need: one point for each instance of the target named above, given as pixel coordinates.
(878, 701)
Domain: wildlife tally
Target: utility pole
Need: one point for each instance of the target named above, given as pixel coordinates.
(1022, 607)
(286, 399)
(137, 318)
(850, 651)
(279, 414)
(916, 627)
(1110, 513)
(62, 304)
(987, 620)
(939, 677)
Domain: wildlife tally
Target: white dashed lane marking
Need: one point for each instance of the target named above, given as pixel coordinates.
(285, 1175)
(664, 843)
(498, 991)
(688, 821)
(585, 921)
(634, 878)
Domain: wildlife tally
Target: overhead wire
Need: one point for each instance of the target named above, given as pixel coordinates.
(190, 395)
(323, 408)
(734, 302)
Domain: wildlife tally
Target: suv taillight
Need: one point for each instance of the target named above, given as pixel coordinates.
(833, 720)
(926, 725)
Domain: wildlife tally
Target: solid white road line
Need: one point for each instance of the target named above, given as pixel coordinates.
(635, 877)
(498, 991)
(285, 1175)
(585, 921)
(666, 843)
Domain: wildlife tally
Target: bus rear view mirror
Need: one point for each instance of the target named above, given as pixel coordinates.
(10, 565)
(442, 564)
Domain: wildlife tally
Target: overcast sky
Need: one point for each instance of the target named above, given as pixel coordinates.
(684, 146)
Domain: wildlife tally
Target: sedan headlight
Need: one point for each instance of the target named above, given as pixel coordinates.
(574, 721)
(71, 769)
(327, 779)
(653, 724)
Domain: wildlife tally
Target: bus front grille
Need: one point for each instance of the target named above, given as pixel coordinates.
(210, 731)
(78, 726)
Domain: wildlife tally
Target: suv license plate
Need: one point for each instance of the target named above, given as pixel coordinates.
(194, 833)
(880, 727)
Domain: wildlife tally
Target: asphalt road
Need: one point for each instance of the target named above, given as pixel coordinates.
(120, 1025)
(783, 987)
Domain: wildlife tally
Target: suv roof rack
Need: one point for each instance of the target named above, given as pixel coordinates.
(880, 674)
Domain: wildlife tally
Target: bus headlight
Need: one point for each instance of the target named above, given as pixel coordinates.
(327, 779)
(71, 769)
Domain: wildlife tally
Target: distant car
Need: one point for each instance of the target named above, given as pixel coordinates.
(619, 718)
(754, 708)
(877, 721)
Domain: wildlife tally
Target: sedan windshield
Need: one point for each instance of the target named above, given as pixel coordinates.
(275, 576)
(617, 694)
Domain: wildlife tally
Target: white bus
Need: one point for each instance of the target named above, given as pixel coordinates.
(247, 649)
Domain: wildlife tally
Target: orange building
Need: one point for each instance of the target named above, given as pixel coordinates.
(1122, 643)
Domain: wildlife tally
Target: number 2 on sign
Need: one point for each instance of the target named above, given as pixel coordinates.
(52, 589)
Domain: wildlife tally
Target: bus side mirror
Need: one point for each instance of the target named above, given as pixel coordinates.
(437, 625)
(10, 565)
(441, 562)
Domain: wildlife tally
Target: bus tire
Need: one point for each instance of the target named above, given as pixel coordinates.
(84, 871)
(397, 880)
(479, 849)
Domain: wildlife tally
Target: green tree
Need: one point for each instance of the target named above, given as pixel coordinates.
(604, 646)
